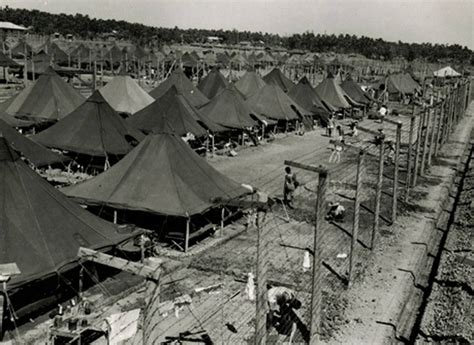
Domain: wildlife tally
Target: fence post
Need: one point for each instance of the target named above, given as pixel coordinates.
(355, 223)
(395, 172)
(450, 114)
(316, 288)
(418, 148)
(409, 155)
(426, 128)
(378, 194)
(432, 134)
(262, 264)
(438, 131)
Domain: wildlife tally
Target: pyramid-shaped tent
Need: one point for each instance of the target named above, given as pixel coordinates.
(162, 175)
(47, 99)
(273, 103)
(13, 121)
(276, 77)
(125, 96)
(93, 129)
(229, 109)
(249, 84)
(213, 83)
(41, 229)
(184, 86)
(305, 95)
(34, 152)
(5, 61)
(355, 91)
(401, 83)
(174, 110)
(447, 71)
(332, 93)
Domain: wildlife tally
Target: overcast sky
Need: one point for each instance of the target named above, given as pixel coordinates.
(436, 21)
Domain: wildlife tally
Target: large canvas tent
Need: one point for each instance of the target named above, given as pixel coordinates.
(162, 175)
(213, 83)
(355, 91)
(401, 84)
(125, 96)
(184, 86)
(34, 152)
(93, 129)
(41, 229)
(47, 99)
(5, 61)
(172, 109)
(332, 94)
(229, 109)
(276, 77)
(249, 84)
(446, 72)
(273, 103)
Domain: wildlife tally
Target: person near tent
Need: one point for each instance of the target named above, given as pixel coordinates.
(391, 151)
(382, 112)
(282, 302)
(330, 126)
(289, 187)
(354, 132)
(336, 212)
(340, 133)
(337, 147)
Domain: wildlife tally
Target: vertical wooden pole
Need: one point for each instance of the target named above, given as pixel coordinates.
(222, 220)
(440, 125)
(395, 172)
(378, 195)
(152, 303)
(432, 135)
(355, 223)
(81, 283)
(317, 274)
(115, 216)
(262, 264)
(94, 77)
(186, 238)
(409, 155)
(426, 125)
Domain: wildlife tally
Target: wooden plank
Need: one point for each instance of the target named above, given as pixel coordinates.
(121, 264)
(318, 169)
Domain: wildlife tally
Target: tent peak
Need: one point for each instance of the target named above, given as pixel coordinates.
(6, 152)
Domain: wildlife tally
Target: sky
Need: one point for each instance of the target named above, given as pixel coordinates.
(435, 21)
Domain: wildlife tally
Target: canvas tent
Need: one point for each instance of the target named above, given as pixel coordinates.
(184, 86)
(41, 229)
(47, 99)
(229, 109)
(13, 121)
(249, 84)
(34, 152)
(172, 109)
(446, 72)
(93, 129)
(401, 84)
(276, 77)
(162, 175)
(125, 96)
(5, 61)
(355, 91)
(273, 103)
(213, 83)
(332, 94)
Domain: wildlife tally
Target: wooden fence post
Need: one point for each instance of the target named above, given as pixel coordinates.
(262, 264)
(409, 155)
(425, 142)
(378, 195)
(395, 172)
(355, 223)
(417, 150)
(316, 289)
(432, 135)
(438, 131)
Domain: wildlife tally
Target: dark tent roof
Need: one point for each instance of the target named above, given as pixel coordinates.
(331, 93)
(401, 83)
(5, 61)
(305, 95)
(213, 83)
(41, 229)
(229, 109)
(59, 55)
(125, 95)
(174, 110)
(184, 87)
(91, 129)
(41, 63)
(82, 53)
(34, 152)
(276, 77)
(189, 60)
(355, 91)
(162, 175)
(273, 103)
(249, 84)
(47, 99)
(13, 121)
(21, 48)
(113, 55)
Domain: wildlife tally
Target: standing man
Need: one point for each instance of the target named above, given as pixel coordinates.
(289, 187)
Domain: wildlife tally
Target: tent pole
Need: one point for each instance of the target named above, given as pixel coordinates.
(186, 238)
(115, 216)
(222, 221)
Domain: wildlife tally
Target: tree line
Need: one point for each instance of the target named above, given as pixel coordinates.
(82, 26)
